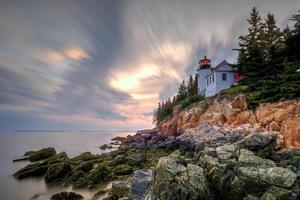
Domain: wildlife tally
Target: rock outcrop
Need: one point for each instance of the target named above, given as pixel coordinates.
(226, 172)
(173, 178)
(283, 117)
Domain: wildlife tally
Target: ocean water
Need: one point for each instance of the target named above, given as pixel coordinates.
(13, 145)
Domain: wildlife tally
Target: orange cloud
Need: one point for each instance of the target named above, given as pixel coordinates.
(76, 53)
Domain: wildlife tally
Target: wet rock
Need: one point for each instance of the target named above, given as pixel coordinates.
(276, 176)
(171, 179)
(121, 188)
(32, 170)
(28, 153)
(86, 156)
(226, 152)
(258, 140)
(120, 159)
(57, 171)
(140, 183)
(110, 197)
(276, 193)
(99, 194)
(41, 154)
(66, 196)
(97, 176)
(123, 169)
(104, 146)
(20, 159)
(137, 158)
(118, 138)
(247, 158)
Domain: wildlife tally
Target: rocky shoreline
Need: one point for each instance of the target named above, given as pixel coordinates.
(206, 162)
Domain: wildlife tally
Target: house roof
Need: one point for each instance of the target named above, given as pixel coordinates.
(215, 69)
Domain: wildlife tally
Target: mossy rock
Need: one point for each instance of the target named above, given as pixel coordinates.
(58, 158)
(66, 196)
(122, 170)
(99, 194)
(121, 188)
(57, 171)
(277, 193)
(84, 166)
(32, 170)
(97, 176)
(41, 154)
(86, 156)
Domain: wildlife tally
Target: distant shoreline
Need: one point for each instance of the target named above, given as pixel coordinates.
(71, 131)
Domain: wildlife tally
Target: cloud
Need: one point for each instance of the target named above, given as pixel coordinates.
(105, 64)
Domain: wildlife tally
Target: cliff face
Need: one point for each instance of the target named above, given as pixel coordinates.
(283, 117)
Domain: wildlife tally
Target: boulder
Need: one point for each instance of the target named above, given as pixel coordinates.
(247, 158)
(276, 176)
(262, 143)
(86, 156)
(123, 169)
(66, 196)
(226, 152)
(41, 154)
(57, 171)
(32, 170)
(277, 193)
(173, 180)
(121, 188)
(97, 176)
(104, 146)
(140, 183)
(137, 158)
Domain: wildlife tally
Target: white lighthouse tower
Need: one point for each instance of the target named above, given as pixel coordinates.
(202, 71)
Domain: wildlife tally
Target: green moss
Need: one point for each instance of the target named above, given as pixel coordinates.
(87, 156)
(57, 172)
(42, 154)
(31, 170)
(123, 169)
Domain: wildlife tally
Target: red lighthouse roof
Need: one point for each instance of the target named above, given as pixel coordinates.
(204, 63)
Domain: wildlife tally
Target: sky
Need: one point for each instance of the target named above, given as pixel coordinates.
(105, 64)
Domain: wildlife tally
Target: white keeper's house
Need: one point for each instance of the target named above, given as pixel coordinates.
(212, 80)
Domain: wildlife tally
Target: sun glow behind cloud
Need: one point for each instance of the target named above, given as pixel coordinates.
(105, 64)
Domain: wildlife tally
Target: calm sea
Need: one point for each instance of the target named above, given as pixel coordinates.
(13, 145)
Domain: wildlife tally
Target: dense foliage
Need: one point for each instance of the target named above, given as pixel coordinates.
(269, 59)
(187, 94)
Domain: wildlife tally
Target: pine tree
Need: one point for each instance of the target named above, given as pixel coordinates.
(293, 41)
(190, 86)
(154, 118)
(195, 85)
(182, 91)
(251, 51)
(272, 36)
(251, 46)
(253, 39)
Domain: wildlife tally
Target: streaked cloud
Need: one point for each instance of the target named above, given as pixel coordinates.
(105, 64)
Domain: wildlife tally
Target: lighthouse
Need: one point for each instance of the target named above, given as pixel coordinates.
(202, 71)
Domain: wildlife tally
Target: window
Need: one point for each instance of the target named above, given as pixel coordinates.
(213, 78)
(207, 81)
(224, 76)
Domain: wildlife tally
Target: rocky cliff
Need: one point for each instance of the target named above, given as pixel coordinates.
(234, 113)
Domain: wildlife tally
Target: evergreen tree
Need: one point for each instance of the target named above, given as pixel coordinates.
(293, 41)
(195, 85)
(190, 86)
(251, 56)
(272, 36)
(182, 91)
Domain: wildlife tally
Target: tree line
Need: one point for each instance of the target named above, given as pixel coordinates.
(187, 94)
(269, 59)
